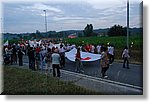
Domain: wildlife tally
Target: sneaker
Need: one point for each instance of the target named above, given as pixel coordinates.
(105, 76)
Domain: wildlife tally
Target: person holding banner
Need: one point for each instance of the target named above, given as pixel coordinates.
(88, 48)
(78, 61)
(104, 62)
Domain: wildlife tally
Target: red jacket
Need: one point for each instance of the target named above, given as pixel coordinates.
(78, 56)
(38, 50)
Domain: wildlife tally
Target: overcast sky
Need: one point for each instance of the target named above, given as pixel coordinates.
(28, 16)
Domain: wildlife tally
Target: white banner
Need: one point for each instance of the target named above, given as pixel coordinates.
(85, 56)
(34, 43)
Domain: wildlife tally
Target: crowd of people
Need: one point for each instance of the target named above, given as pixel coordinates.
(53, 57)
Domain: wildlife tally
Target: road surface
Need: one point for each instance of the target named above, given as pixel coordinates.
(132, 76)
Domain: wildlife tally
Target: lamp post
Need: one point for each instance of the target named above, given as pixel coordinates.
(46, 33)
(45, 21)
(128, 24)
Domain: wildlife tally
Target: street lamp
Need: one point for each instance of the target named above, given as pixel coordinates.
(128, 24)
(45, 21)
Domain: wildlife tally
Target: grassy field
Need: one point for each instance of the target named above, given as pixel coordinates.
(119, 43)
(26, 82)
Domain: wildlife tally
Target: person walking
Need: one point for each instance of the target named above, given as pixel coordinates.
(20, 56)
(14, 54)
(111, 54)
(62, 56)
(78, 61)
(98, 49)
(104, 62)
(56, 63)
(48, 60)
(9, 52)
(31, 54)
(29, 57)
(37, 57)
(42, 57)
(126, 56)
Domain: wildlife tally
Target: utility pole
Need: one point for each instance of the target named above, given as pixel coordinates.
(45, 21)
(128, 24)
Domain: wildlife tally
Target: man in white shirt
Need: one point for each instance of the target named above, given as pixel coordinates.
(98, 49)
(56, 63)
(126, 56)
(111, 54)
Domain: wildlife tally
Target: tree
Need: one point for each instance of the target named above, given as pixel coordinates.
(20, 36)
(117, 30)
(80, 35)
(37, 33)
(88, 30)
(33, 35)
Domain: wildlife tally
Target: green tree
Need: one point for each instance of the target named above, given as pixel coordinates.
(20, 36)
(88, 30)
(33, 35)
(37, 34)
(80, 35)
(117, 30)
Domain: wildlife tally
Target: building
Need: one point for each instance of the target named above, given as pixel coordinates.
(72, 35)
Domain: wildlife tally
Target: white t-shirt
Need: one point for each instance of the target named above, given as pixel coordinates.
(98, 48)
(125, 53)
(111, 50)
(108, 49)
(92, 50)
(61, 50)
(55, 58)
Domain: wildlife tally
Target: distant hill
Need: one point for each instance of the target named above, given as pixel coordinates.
(136, 31)
(64, 34)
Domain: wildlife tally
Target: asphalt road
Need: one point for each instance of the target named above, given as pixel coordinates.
(132, 76)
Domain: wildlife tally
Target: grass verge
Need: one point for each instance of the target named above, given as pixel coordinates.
(19, 81)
